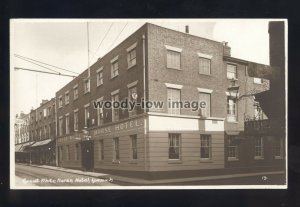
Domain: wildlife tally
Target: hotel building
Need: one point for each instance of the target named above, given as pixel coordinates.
(159, 64)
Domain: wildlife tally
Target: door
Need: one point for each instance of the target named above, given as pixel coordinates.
(87, 153)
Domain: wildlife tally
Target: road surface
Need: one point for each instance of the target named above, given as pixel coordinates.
(35, 176)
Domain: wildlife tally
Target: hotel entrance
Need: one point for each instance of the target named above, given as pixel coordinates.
(87, 155)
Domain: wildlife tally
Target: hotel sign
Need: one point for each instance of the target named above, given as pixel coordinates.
(116, 128)
(121, 127)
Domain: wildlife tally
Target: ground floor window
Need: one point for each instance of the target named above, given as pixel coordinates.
(101, 150)
(174, 146)
(278, 147)
(232, 148)
(258, 148)
(76, 151)
(133, 146)
(68, 152)
(205, 146)
(116, 155)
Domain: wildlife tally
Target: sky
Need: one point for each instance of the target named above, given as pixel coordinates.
(64, 43)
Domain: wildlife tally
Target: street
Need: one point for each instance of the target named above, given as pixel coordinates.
(35, 176)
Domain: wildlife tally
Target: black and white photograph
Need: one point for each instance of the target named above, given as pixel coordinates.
(148, 104)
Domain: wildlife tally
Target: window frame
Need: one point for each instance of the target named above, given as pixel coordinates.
(115, 111)
(171, 110)
(87, 85)
(235, 73)
(75, 92)
(67, 117)
(232, 109)
(209, 146)
(202, 71)
(76, 120)
(99, 76)
(176, 144)
(230, 146)
(116, 149)
(260, 147)
(67, 100)
(101, 150)
(134, 147)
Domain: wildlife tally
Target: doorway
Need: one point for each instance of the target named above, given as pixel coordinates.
(87, 155)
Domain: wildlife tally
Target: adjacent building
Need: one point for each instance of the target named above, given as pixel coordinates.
(43, 133)
(21, 136)
(162, 65)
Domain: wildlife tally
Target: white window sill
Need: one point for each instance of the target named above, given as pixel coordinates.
(278, 157)
(114, 76)
(205, 160)
(116, 162)
(232, 159)
(75, 99)
(174, 161)
(258, 158)
(86, 92)
(235, 79)
(209, 75)
(233, 122)
(99, 84)
(130, 66)
(174, 68)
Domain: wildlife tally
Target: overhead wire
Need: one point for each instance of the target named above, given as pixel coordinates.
(117, 36)
(46, 64)
(102, 39)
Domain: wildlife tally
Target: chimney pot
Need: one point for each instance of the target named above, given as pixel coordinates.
(187, 29)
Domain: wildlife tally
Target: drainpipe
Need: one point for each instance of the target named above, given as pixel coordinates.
(145, 110)
(56, 146)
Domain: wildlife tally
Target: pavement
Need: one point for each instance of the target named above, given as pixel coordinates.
(139, 181)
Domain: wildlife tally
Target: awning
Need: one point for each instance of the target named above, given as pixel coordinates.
(40, 143)
(18, 148)
(21, 147)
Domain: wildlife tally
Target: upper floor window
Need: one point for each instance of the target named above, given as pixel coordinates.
(100, 113)
(67, 97)
(60, 102)
(75, 120)
(205, 112)
(60, 123)
(114, 67)
(204, 66)
(173, 57)
(231, 109)
(231, 72)
(100, 76)
(87, 85)
(75, 92)
(86, 115)
(67, 124)
(131, 56)
(115, 111)
(174, 99)
(132, 95)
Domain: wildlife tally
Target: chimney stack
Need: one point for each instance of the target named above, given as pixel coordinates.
(187, 29)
